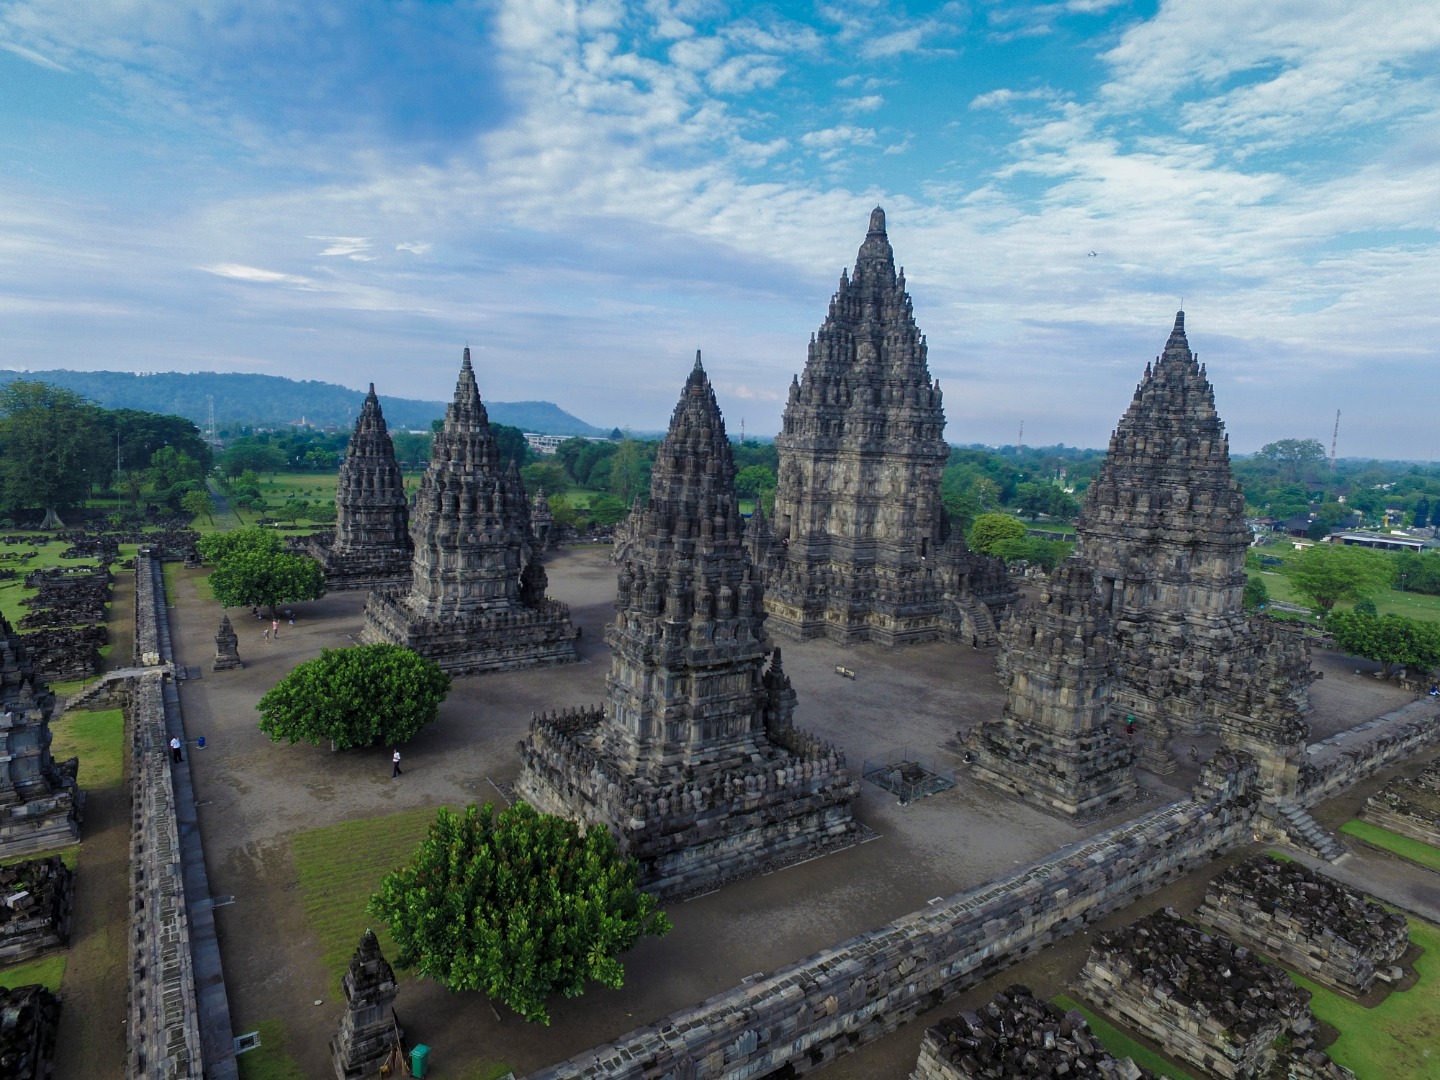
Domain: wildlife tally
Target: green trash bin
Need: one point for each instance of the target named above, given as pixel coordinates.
(418, 1056)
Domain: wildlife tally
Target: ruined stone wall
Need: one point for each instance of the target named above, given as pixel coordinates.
(1408, 807)
(1362, 751)
(809, 1012)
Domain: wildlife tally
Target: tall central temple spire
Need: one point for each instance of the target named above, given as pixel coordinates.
(858, 520)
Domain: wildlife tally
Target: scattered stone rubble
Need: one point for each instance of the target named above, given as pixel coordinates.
(1205, 1000)
(66, 652)
(35, 900)
(1311, 922)
(1016, 1035)
(68, 596)
(368, 1028)
(29, 1019)
(1408, 807)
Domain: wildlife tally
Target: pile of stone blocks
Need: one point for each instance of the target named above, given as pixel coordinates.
(1321, 928)
(66, 652)
(67, 597)
(35, 901)
(1204, 999)
(29, 1017)
(1408, 807)
(1017, 1035)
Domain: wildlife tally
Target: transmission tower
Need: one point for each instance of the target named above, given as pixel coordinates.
(1334, 440)
(210, 418)
(1020, 439)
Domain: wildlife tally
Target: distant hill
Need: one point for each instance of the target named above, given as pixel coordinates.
(269, 400)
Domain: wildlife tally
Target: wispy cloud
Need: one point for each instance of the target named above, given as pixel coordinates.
(237, 272)
(34, 57)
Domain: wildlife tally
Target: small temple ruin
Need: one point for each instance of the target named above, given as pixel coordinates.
(40, 804)
(371, 547)
(1163, 524)
(693, 761)
(858, 548)
(1057, 744)
(369, 1034)
(1408, 807)
(476, 600)
(227, 647)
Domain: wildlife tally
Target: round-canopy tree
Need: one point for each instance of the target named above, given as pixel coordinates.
(518, 904)
(1328, 573)
(247, 578)
(992, 529)
(217, 546)
(355, 697)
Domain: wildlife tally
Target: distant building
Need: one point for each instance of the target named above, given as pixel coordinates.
(1383, 541)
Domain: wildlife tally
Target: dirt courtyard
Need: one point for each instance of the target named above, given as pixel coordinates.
(254, 795)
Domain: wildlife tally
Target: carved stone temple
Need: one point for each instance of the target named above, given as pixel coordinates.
(1164, 526)
(693, 761)
(227, 647)
(368, 1028)
(371, 547)
(40, 804)
(859, 550)
(1057, 744)
(476, 600)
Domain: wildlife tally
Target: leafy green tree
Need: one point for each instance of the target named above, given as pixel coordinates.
(1032, 499)
(266, 578)
(630, 470)
(755, 480)
(547, 476)
(561, 510)
(1365, 606)
(1414, 571)
(292, 510)
(217, 546)
(991, 529)
(196, 503)
(1294, 460)
(510, 443)
(516, 904)
(52, 448)
(607, 510)
(142, 434)
(355, 697)
(322, 512)
(1046, 554)
(1393, 640)
(1256, 595)
(1328, 573)
(257, 457)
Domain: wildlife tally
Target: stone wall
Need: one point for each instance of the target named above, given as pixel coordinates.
(1408, 807)
(1353, 755)
(811, 1011)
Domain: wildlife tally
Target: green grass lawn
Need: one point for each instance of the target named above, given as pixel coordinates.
(1387, 601)
(1397, 1037)
(270, 1060)
(1417, 852)
(48, 971)
(98, 740)
(1119, 1044)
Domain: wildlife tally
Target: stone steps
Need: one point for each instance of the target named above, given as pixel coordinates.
(1308, 834)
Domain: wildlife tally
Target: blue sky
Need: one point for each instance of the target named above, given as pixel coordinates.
(585, 193)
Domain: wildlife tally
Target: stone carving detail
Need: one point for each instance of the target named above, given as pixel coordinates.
(477, 600)
(1311, 922)
(40, 805)
(859, 529)
(227, 647)
(368, 1028)
(693, 761)
(1164, 526)
(371, 545)
(1056, 744)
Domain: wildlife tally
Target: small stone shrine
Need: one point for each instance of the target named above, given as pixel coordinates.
(1056, 744)
(40, 804)
(368, 1031)
(1205, 1000)
(35, 902)
(29, 1022)
(1016, 1035)
(1308, 921)
(371, 546)
(542, 524)
(1164, 526)
(1408, 807)
(858, 524)
(476, 600)
(227, 647)
(693, 761)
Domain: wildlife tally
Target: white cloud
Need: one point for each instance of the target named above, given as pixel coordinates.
(238, 272)
(34, 57)
(415, 247)
(868, 103)
(353, 246)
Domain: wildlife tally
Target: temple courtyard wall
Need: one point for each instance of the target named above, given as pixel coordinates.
(254, 797)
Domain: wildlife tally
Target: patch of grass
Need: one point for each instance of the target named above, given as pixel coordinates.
(339, 866)
(203, 589)
(98, 740)
(47, 971)
(1119, 1044)
(72, 687)
(270, 1060)
(1396, 1037)
(1414, 850)
(46, 555)
(486, 1070)
(68, 855)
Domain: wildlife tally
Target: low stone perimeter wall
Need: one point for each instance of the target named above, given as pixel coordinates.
(806, 1014)
(1352, 755)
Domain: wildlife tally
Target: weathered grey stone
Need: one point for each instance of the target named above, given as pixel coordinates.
(1056, 744)
(371, 546)
(368, 1028)
(1164, 526)
(1408, 807)
(693, 762)
(476, 601)
(35, 901)
(227, 647)
(859, 529)
(29, 1020)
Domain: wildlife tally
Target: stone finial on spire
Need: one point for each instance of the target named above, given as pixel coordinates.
(698, 365)
(877, 222)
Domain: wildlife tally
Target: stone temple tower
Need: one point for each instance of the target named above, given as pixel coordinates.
(693, 761)
(1164, 526)
(477, 600)
(372, 523)
(858, 520)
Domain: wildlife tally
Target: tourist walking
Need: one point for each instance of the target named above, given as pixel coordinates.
(275, 628)
(395, 764)
(175, 749)
(265, 633)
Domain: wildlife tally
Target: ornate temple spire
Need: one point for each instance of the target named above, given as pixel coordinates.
(372, 539)
(467, 411)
